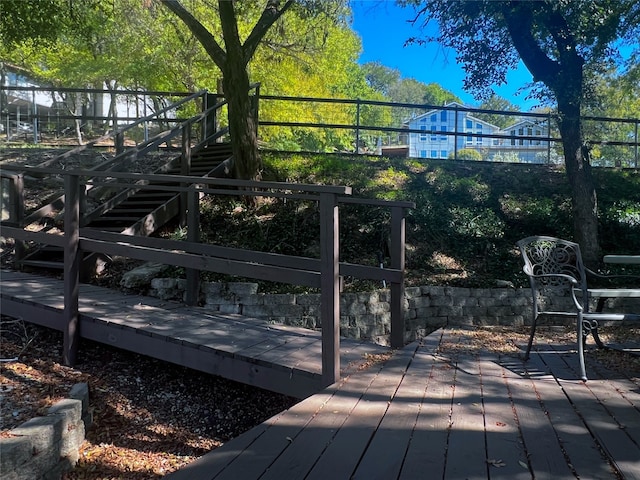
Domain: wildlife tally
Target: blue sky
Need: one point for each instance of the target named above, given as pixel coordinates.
(384, 28)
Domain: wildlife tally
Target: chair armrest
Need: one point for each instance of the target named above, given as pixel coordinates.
(569, 278)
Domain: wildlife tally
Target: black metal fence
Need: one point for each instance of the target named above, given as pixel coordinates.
(49, 116)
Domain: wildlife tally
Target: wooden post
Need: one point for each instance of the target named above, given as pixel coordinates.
(71, 268)
(185, 169)
(397, 289)
(330, 288)
(16, 199)
(193, 235)
(119, 142)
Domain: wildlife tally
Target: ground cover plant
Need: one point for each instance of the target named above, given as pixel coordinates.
(463, 230)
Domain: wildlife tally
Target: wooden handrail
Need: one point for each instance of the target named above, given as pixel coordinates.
(323, 272)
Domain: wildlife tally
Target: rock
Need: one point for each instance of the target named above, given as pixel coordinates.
(142, 275)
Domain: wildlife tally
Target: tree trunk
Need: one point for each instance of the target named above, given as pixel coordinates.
(247, 164)
(583, 193)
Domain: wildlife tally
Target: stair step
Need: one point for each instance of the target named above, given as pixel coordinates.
(107, 228)
(127, 215)
(149, 194)
(43, 264)
(139, 202)
(114, 218)
(121, 210)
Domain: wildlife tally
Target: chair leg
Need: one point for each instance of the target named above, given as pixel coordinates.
(530, 343)
(581, 342)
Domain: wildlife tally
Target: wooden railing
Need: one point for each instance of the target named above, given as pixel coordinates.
(323, 273)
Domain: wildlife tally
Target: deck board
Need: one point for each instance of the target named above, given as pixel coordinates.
(423, 414)
(466, 446)
(283, 359)
(505, 452)
(428, 447)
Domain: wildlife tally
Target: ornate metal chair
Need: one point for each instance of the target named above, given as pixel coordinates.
(555, 268)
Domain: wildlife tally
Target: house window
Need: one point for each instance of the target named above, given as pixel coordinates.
(443, 129)
(469, 124)
(469, 137)
(423, 136)
(443, 116)
(443, 154)
(434, 137)
(423, 154)
(479, 130)
(434, 154)
(538, 133)
(513, 134)
(434, 118)
(521, 133)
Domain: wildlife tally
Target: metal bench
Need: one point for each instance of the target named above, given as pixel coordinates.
(555, 268)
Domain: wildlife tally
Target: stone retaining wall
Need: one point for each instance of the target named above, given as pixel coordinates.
(44, 447)
(367, 315)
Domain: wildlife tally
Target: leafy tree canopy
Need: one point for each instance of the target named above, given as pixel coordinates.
(565, 44)
(479, 31)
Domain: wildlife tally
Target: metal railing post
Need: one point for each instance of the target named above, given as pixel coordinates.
(357, 126)
(35, 116)
(71, 268)
(455, 134)
(256, 108)
(329, 288)
(636, 147)
(549, 138)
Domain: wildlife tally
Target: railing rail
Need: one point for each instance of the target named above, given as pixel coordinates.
(615, 139)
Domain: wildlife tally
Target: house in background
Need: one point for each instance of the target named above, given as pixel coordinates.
(437, 127)
(444, 132)
(527, 143)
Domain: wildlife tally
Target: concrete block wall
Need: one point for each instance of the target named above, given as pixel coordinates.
(367, 315)
(43, 448)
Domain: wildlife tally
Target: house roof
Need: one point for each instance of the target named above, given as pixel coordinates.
(528, 122)
(449, 106)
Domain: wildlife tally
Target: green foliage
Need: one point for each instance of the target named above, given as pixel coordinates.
(38, 21)
(467, 154)
(495, 102)
(468, 216)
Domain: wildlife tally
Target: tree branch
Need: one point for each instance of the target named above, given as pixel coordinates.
(268, 18)
(203, 35)
(519, 24)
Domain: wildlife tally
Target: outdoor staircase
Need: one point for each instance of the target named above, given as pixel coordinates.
(139, 213)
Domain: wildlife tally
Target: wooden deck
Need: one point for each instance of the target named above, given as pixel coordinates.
(278, 358)
(423, 415)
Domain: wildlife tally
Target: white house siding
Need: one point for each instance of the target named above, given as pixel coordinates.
(438, 139)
